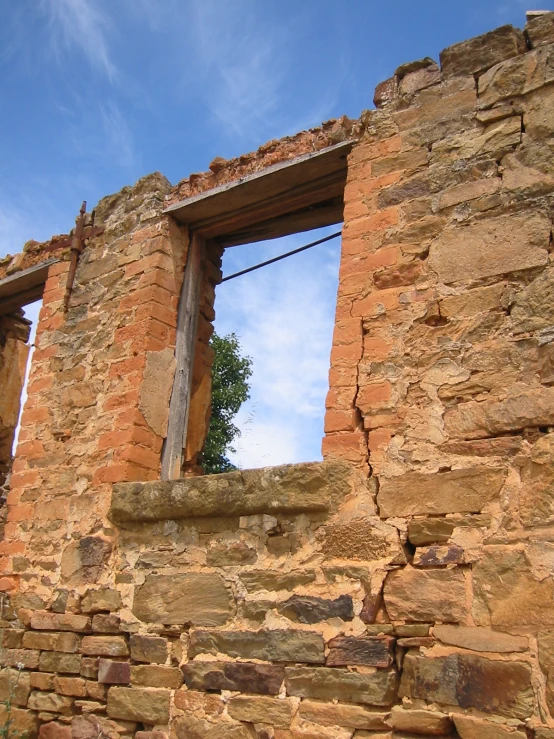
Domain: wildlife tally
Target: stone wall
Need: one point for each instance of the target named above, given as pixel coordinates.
(402, 588)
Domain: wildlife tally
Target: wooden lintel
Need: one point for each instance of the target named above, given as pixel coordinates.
(275, 191)
(23, 287)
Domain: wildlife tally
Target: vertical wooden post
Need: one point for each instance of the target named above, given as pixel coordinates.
(187, 323)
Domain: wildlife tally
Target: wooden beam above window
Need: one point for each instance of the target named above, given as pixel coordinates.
(297, 195)
(23, 287)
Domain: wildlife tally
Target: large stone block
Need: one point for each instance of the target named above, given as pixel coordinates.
(340, 714)
(105, 646)
(60, 642)
(189, 727)
(516, 77)
(256, 580)
(426, 595)
(362, 539)
(50, 702)
(307, 609)
(429, 723)
(280, 645)
(511, 590)
(198, 598)
(468, 681)
(295, 488)
(15, 686)
(149, 648)
(533, 308)
(156, 676)
(479, 53)
(458, 491)
(260, 709)
(149, 705)
(480, 639)
(23, 724)
(328, 683)
(60, 662)
(46, 621)
(495, 246)
(470, 727)
(244, 677)
(540, 30)
(373, 651)
(522, 408)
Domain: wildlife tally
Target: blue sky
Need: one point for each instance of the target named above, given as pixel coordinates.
(97, 93)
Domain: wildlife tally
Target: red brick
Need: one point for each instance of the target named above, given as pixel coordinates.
(347, 351)
(371, 306)
(364, 151)
(139, 455)
(375, 395)
(375, 349)
(20, 512)
(60, 268)
(54, 730)
(337, 420)
(350, 446)
(8, 583)
(378, 439)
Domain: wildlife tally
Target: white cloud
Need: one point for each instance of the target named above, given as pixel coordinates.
(283, 315)
(83, 24)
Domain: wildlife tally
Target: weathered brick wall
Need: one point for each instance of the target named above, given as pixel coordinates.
(404, 587)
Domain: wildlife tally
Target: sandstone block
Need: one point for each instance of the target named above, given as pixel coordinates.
(375, 651)
(260, 709)
(244, 677)
(470, 727)
(199, 703)
(540, 30)
(50, 702)
(15, 686)
(495, 246)
(72, 686)
(337, 714)
(105, 646)
(96, 727)
(84, 560)
(106, 599)
(502, 688)
(545, 639)
(280, 645)
(198, 598)
(423, 531)
(148, 705)
(149, 648)
(478, 54)
(295, 488)
(362, 539)
(522, 408)
(516, 77)
(430, 723)
(29, 658)
(480, 639)
(12, 638)
(156, 676)
(61, 642)
(89, 667)
(436, 556)
(255, 580)
(96, 691)
(509, 593)
(228, 554)
(458, 491)
(426, 595)
(114, 673)
(43, 681)
(328, 683)
(60, 662)
(307, 609)
(187, 727)
(24, 724)
(533, 309)
(54, 730)
(45, 621)
(106, 623)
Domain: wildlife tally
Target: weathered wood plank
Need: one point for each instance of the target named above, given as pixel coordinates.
(317, 216)
(296, 198)
(262, 185)
(187, 322)
(23, 287)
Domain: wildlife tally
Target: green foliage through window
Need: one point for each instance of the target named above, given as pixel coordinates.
(230, 389)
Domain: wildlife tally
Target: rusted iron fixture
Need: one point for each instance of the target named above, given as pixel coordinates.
(77, 241)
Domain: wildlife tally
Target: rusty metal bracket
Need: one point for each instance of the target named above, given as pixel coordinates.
(77, 242)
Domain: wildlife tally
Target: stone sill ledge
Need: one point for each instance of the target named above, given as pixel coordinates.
(312, 487)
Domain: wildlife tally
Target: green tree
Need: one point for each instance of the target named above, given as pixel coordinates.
(230, 388)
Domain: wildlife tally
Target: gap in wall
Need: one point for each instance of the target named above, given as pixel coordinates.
(283, 316)
(31, 312)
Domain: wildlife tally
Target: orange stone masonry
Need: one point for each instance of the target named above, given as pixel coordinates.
(401, 588)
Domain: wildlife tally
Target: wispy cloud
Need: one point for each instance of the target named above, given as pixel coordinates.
(81, 23)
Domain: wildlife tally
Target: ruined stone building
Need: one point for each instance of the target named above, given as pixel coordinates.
(403, 587)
